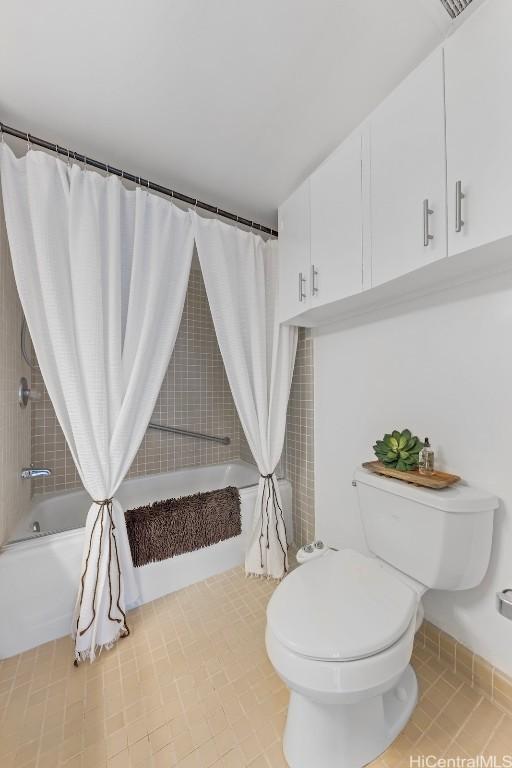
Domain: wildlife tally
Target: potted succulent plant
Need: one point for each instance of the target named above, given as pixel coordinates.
(399, 450)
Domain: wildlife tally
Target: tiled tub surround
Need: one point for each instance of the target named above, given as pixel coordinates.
(14, 421)
(192, 687)
(298, 455)
(195, 394)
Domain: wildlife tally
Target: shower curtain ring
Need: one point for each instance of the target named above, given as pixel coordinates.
(69, 159)
(28, 143)
(84, 166)
(2, 137)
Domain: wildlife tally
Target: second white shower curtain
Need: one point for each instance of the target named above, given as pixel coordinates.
(102, 274)
(240, 275)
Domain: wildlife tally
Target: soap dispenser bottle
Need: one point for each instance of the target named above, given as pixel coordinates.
(426, 459)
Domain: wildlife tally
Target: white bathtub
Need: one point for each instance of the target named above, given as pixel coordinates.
(39, 574)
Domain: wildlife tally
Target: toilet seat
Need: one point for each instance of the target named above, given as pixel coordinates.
(343, 606)
(325, 681)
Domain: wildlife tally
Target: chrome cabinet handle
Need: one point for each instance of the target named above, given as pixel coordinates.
(302, 289)
(459, 196)
(427, 237)
(314, 285)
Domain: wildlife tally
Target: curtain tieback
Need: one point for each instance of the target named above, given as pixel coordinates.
(112, 550)
(270, 495)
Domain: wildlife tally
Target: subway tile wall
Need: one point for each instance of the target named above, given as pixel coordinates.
(297, 461)
(299, 451)
(195, 394)
(49, 447)
(14, 421)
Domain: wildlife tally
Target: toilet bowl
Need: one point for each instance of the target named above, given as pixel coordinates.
(340, 632)
(340, 628)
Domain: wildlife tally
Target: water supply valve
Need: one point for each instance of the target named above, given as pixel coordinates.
(25, 393)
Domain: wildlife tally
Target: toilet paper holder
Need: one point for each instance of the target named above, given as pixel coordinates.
(504, 600)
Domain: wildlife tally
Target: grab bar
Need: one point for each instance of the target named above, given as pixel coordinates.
(188, 433)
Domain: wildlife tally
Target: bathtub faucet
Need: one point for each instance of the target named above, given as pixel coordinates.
(28, 473)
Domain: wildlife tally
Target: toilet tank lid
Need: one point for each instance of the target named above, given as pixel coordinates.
(461, 498)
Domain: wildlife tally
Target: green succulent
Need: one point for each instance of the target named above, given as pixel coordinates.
(399, 450)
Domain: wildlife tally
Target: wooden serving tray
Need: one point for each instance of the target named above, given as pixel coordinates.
(437, 481)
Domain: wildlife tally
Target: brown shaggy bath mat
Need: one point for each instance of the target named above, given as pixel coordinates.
(167, 528)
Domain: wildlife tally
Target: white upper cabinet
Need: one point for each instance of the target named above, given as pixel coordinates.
(293, 254)
(337, 225)
(426, 181)
(478, 64)
(408, 175)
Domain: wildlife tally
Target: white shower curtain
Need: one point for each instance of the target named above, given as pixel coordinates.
(240, 275)
(102, 274)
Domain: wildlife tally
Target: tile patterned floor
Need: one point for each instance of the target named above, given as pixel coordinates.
(192, 687)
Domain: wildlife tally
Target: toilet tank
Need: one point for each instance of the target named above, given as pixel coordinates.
(442, 538)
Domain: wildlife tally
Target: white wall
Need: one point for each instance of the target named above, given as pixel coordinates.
(443, 368)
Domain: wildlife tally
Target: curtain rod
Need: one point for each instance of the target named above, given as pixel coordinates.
(70, 154)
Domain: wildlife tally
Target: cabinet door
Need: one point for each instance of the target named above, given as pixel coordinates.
(294, 254)
(408, 175)
(478, 65)
(337, 225)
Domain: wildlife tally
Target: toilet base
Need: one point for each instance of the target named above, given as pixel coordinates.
(347, 735)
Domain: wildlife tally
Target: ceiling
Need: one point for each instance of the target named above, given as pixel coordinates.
(232, 101)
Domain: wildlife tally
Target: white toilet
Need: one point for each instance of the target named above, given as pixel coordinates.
(340, 628)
